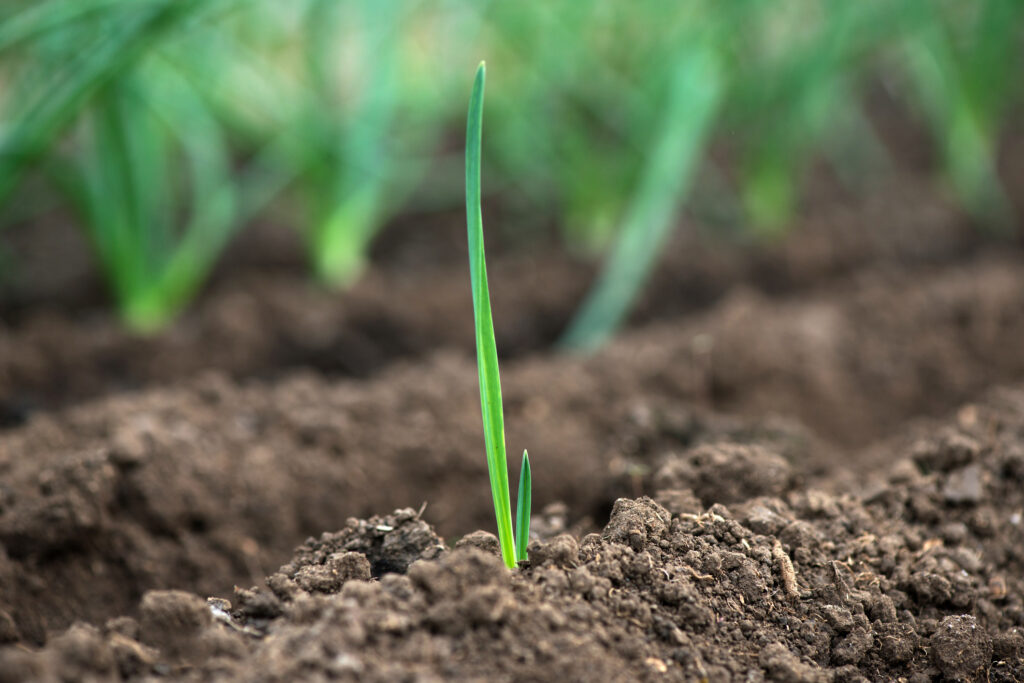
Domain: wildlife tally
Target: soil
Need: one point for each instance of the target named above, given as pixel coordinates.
(262, 317)
(918, 577)
(800, 462)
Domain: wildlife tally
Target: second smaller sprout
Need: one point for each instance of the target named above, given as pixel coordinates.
(523, 508)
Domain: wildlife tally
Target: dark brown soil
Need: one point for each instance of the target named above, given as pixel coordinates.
(732, 572)
(760, 480)
(213, 482)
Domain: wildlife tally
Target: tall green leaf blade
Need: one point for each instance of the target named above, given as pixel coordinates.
(486, 349)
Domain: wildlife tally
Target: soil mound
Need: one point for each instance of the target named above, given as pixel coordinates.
(211, 482)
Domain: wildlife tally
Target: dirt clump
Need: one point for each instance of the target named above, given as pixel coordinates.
(961, 649)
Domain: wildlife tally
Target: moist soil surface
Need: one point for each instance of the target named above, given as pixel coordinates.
(800, 462)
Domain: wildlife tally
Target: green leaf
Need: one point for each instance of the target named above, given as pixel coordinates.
(486, 349)
(523, 509)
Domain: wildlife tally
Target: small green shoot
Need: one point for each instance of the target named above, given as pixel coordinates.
(523, 509)
(513, 549)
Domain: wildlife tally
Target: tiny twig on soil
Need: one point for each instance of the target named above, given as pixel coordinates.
(786, 570)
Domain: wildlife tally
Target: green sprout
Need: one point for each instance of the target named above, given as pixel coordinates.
(523, 508)
(513, 549)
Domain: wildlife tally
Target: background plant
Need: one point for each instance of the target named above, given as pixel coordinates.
(342, 112)
(963, 71)
(149, 172)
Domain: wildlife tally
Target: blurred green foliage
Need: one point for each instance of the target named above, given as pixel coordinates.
(166, 125)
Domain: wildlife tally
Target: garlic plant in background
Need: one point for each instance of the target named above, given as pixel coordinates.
(165, 126)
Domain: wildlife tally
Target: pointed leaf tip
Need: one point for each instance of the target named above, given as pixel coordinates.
(523, 505)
